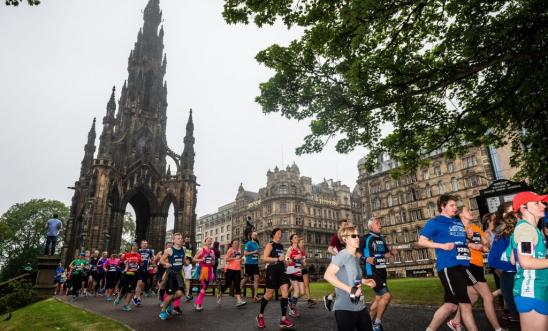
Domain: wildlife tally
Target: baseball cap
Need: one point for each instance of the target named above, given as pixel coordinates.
(523, 197)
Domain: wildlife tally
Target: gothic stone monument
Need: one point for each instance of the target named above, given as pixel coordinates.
(130, 166)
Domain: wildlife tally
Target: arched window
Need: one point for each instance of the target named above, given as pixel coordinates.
(401, 198)
(441, 187)
(392, 218)
(432, 209)
(387, 185)
(451, 166)
(413, 194)
(403, 215)
(389, 200)
(437, 169)
(454, 184)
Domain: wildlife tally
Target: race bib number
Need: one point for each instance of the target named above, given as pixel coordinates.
(463, 252)
(380, 261)
(208, 260)
(178, 261)
(298, 263)
(112, 268)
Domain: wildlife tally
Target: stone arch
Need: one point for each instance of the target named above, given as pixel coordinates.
(143, 202)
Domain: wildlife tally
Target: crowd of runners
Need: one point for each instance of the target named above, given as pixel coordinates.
(512, 239)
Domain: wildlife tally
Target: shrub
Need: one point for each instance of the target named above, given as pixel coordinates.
(18, 294)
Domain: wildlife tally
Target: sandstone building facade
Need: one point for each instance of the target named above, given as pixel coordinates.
(406, 204)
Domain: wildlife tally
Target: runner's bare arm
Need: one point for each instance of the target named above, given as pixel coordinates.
(163, 260)
(427, 243)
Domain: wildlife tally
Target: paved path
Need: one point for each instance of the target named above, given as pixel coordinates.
(228, 318)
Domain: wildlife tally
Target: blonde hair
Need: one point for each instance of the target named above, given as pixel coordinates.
(347, 231)
(206, 238)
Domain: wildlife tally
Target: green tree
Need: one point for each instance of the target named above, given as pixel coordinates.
(128, 232)
(435, 73)
(17, 2)
(22, 233)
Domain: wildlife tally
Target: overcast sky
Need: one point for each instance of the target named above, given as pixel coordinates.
(59, 61)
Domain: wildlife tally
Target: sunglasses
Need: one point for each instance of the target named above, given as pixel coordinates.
(353, 236)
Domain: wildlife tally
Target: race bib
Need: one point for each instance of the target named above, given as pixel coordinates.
(380, 261)
(208, 259)
(463, 252)
(112, 268)
(178, 261)
(298, 263)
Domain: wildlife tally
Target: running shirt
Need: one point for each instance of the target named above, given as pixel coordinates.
(277, 251)
(132, 262)
(295, 266)
(93, 263)
(443, 229)
(79, 266)
(234, 264)
(111, 265)
(58, 273)
(146, 256)
(476, 256)
(208, 256)
(100, 265)
(188, 250)
(176, 259)
(530, 241)
(374, 245)
(252, 246)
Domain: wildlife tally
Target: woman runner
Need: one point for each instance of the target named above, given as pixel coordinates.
(306, 278)
(345, 273)
(111, 270)
(77, 268)
(276, 278)
(131, 262)
(233, 273)
(294, 259)
(205, 272)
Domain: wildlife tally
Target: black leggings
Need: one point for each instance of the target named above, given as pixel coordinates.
(76, 284)
(232, 277)
(348, 320)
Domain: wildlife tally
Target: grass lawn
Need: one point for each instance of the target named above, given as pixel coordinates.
(52, 314)
(415, 291)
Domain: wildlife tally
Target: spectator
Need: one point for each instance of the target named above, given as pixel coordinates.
(53, 226)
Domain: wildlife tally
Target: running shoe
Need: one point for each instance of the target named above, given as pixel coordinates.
(198, 308)
(188, 298)
(73, 298)
(327, 302)
(169, 310)
(293, 312)
(260, 322)
(219, 298)
(134, 301)
(311, 302)
(127, 308)
(241, 303)
(177, 311)
(286, 324)
(163, 315)
(117, 301)
(454, 326)
(377, 327)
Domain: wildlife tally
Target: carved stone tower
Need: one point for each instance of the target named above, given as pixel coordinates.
(130, 166)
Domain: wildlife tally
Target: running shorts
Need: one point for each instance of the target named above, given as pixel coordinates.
(525, 305)
(304, 271)
(296, 278)
(143, 275)
(454, 284)
(128, 282)
(174, 283)
(474, 275)
(251, 269)
(381, 286)
(112, 279)
(276, 277)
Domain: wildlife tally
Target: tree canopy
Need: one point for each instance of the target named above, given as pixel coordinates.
(443, 73)
(22, 233)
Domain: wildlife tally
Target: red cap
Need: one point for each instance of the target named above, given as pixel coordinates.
(523, 197)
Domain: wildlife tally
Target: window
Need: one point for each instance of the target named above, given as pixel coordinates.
(297, 208)
(418, 233)
(283, 207)
(403, 215)
(387, 185)
(425, 174)
(451, 166)
(394, 238)
(405, 236)
(422, 254)
(432, 209)
(377, 203)
(401, 198)
(392, 218)
(408, 256)
(471, 181)
(389, 200)
(454, 184)
(415, 215)
(283, 189)
(473, 203)
(413, 194)
(428, 191)
(441, 187)
(469, 161)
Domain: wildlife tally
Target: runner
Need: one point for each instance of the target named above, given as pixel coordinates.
(86, 274)
(160, 279)
(447, 235)
(92, 275)
(205, 257)
(187, 270)
(276, 278)
(345, 274)
(77, 268)
(58, 279)
(294, 258)
(374, 253)
(475, 281)
(306, 277)
(146, 256)
(172, 260)
(251, 253)
(528, 250)
(101, 274)
(335, 246)
(111, 269)
(233, 273)
(131, 262)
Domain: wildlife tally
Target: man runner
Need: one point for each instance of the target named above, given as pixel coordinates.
(374, 252)
(448, 236)
(172, 260)
(251, 253)
(146, 257)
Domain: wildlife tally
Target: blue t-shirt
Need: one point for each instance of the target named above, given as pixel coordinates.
(58, 272)
(54, 225)
(251, 246)
(496, 258)
(442, 229)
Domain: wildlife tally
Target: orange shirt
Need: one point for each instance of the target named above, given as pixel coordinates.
(234, 264)
(476, 256)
